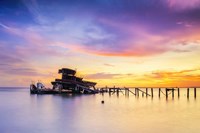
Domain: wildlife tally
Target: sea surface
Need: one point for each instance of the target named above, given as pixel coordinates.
(21, 112)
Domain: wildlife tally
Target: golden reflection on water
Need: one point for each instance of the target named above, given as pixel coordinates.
(22, 112)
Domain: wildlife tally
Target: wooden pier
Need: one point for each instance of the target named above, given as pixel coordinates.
(150, 91)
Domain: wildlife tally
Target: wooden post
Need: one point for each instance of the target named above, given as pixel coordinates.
(178, 92)
(142, 94)
(135, 91)
(128, 91)
(146, 92)
(172, 92)
(151, 92)
(166, 93)
(188, 92)
(159, 92)
(117, 90)
(195, 92)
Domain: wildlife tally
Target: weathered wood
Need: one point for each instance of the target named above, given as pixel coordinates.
(195, 92)
(178, 92)
(166, 92)
(132, 92)
(146, 92)
(159, 92)
(135, 91)
(143, 92)
(151, 92)
(109, 90)
(117, 91)
(172, 92)
(128, 91)
(188, 92)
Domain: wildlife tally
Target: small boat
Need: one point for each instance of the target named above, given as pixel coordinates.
(39, 88)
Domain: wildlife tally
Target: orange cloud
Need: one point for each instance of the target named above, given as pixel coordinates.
(182, 78)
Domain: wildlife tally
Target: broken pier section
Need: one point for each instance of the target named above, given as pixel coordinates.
(150, 91)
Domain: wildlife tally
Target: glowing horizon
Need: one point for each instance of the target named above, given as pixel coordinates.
(114, 42)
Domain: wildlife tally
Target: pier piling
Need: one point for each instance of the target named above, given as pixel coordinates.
(151, 92)
(128, 91)
(146, 92)
(159, 92)
(195, 92)
(172, 92)
(166, 93)
(178, 93)
(136, 92)
(188, 92)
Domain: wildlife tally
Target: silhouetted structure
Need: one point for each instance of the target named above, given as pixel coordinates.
(70, 82)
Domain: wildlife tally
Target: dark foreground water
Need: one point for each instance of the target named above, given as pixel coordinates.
(21, 112)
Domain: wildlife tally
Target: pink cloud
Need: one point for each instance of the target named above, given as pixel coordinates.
(34, 43)
(141, 42)
(183, 4)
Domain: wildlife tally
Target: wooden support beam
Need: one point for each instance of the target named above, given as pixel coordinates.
(109, 90)
(117, 90)
(128, 91)
(178, 92)
(151, 92)
(166, 90)
(135, 91)
(195, 92)
(172, 92)
(146, 92)
(159, 92)
(143, 92)
(188, 92)
(131, 92)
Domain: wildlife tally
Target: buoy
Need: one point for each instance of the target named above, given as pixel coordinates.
(102, 101)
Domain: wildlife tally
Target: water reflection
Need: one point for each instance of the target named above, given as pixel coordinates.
(22, 112)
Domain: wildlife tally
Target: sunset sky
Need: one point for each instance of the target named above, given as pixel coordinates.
(111, 42)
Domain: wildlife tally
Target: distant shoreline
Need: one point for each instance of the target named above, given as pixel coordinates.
(14, 87)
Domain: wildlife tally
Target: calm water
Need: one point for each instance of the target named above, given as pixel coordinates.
(21, 112)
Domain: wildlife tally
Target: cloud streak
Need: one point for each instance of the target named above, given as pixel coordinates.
(138, 30)
(58, 33)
